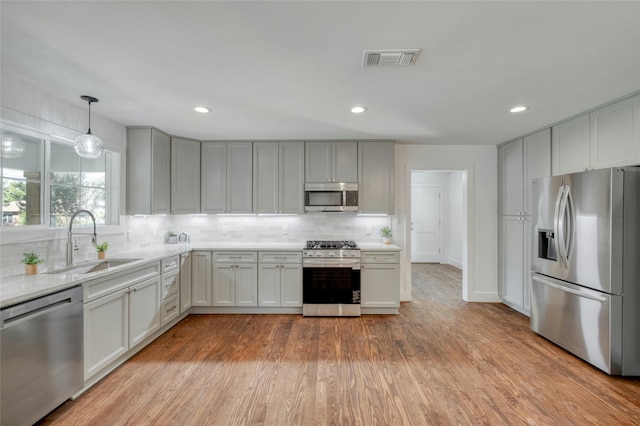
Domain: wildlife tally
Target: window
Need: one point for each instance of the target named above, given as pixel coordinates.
(22, 180)
(48, 182)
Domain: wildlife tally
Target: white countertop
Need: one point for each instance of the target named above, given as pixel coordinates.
(19, 288)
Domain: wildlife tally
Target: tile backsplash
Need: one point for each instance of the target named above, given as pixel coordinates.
(152, 230)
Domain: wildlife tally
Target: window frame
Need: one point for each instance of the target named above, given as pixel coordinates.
(113, 169)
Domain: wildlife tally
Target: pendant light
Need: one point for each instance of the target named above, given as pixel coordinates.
(88, 145)
(12, 146)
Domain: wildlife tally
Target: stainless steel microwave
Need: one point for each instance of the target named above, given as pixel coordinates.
(331, 197)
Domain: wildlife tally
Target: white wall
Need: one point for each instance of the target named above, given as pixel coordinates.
(452, 253)
(480, 256)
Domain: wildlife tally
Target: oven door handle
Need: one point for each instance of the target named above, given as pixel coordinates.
(355, 265)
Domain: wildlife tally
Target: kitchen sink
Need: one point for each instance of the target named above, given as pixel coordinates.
(93, 266)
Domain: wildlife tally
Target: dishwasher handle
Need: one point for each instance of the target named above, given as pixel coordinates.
(40, 306)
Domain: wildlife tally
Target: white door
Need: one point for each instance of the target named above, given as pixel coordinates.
(426, 236)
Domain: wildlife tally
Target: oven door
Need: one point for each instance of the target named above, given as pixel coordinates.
(331, 289)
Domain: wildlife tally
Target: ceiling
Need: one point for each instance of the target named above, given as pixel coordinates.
(292, 69)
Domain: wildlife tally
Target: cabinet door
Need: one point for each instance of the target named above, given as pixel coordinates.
(511, 179)
(160, 172)
(317, 162)
(615, 134)
(291, 285)
(380, 286)
(106, 331)
(345, 162)
(375, 177)
(291, 178)
(239, 177)
(269, 285)
(214, 177)
(265, 177)
(138, 171)
(246, 283)
(185, 176)
(570, 146)
(224, 289)
(526, 262)
(201, 284)
(185, 282)
(537, 164)
(512, 256)
(144, 310)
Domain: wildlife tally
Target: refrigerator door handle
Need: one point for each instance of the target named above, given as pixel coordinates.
(569, 290)
(568, 214)
(559, 226)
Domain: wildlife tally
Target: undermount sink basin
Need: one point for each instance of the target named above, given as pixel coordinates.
(93, 266)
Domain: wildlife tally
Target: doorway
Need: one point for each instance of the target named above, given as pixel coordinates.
(437, 217)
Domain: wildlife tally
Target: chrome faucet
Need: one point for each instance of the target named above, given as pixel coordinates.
(94, 237)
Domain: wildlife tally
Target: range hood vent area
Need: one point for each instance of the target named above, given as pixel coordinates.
(390, 58)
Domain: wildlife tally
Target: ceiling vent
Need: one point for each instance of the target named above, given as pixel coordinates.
(390, 58)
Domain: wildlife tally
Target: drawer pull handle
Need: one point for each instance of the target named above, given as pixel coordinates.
(171, 308)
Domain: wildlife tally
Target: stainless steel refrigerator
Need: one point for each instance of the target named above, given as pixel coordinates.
(585, 288)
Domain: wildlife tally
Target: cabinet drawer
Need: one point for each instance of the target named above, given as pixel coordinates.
(170, 263)
(170, 283)
(103, 286)
(235, 256)
(280, 257)
(170, 309)
(380, 257)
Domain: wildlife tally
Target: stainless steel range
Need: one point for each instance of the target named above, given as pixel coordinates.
(331, 279)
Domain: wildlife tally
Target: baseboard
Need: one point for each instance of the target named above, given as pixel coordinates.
(452, 262)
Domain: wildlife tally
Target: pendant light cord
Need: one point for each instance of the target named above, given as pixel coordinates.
(89, 132)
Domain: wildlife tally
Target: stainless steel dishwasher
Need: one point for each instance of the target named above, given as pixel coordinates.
(41, 355)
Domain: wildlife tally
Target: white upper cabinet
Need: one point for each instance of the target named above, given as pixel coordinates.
(185, 176)
(615, 134)
(214, 177)
(375, 177)
(291, 177)
(239, 177)
(278, 177)
(510, 159)
(606, 137)
(571, 145)
(265, 177)
(331, 162)
(537, 162)
(227, 177)
(520, 162)
(148, 171)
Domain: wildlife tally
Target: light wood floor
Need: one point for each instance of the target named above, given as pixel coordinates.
(441, 361)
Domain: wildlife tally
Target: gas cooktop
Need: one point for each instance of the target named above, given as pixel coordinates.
(331, 245)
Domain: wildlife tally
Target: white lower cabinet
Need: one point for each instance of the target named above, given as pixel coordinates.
(106, 331)
(201, 285)
(235, 279)
(515, 262)
(280, 279)
(117, 322)
(144, 310)
(235, 284)
(380, 280)
(185, 282)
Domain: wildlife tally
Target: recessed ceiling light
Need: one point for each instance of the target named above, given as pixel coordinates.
(518, 109)
(202, 109)
(358, 109)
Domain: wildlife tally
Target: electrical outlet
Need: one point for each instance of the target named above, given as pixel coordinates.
(129, 235)
(225, 229)
(285, 230)
(368, 229)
